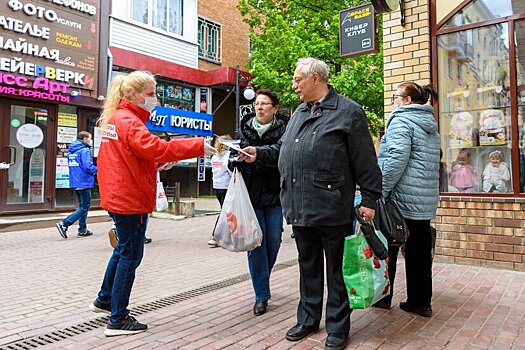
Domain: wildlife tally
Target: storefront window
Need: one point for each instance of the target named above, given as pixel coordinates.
(520, 89)
(176, 96)
(481, 10)
(474, 110)
(67, 132)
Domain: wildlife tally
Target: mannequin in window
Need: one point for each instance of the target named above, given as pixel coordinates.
(496, 174)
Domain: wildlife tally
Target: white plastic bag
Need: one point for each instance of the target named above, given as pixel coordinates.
(237, 229)
(162, 201)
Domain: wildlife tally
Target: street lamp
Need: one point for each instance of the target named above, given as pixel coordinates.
(248, 94)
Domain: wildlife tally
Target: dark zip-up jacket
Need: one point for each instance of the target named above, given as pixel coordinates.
(262, 180)
(322, 156)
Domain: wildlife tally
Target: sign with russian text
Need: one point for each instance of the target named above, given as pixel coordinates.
(67, 119)
(62, 173)
(53, 39)
(357, 31)
(201, 169)
(164, 119)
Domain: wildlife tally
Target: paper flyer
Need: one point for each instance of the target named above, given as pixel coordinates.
(234, 144)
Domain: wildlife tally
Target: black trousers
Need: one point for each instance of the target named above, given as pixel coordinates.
(311, 243)
(220, 194)
(418, 263)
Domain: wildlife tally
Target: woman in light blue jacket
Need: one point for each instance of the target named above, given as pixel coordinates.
(409, 162)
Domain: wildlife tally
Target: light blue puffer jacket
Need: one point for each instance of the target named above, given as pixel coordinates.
(409, 161)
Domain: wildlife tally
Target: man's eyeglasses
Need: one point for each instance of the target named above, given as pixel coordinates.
(394, 96)
(257, 104)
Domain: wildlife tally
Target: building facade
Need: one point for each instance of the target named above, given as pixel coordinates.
(473, 52)
(55, 66)
(52, 71)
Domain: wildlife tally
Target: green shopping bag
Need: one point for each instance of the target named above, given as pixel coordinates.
(365, 276)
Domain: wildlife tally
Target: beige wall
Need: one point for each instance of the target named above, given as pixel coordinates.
(444, 7)
(406, 49)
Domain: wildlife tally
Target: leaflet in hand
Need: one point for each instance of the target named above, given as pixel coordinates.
(234, 145)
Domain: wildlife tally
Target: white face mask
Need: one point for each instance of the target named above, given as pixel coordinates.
(149, 103)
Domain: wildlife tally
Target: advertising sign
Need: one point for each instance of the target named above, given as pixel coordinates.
(357, 31)
(54, 40)
(201, 169)
(67, 119)
(29, 135)
(62, 173)
(177, 121)
(36, 176)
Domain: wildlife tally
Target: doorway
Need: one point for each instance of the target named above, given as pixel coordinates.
(25, 142)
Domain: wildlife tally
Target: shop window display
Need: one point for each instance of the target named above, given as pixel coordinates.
(176, 96)
(520, 90)
(475, 110)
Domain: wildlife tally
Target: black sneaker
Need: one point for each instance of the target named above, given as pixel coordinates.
(98, 307)
(147, 240)
(127, 326)
(84, 233)
(61, 229)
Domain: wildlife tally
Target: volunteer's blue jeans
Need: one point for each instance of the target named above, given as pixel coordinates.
(84, 202)
(262, 258)
(120, 272)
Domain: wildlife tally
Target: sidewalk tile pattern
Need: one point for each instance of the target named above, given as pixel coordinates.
(48, 282)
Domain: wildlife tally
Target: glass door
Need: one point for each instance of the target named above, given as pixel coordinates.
(24, 142)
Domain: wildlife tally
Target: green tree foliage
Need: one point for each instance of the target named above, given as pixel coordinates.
(282, 31)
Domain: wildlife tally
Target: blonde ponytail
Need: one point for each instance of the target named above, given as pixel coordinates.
(121, 87)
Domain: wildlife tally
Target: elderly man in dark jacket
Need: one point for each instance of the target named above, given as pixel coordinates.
(325, 151)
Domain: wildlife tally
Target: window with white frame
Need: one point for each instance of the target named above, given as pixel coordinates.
(161, 14)
(210, 40)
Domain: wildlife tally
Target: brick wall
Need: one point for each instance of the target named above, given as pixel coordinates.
(481, 231)
(406, 49)
(234, 32)
(470, 230)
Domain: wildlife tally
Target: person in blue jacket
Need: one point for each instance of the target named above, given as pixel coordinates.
(81, 178)
(409, 157)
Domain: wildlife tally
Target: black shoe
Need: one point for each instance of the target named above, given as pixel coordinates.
(292, 235)
(98, 307)
(84, 233)
(424, 311)
(127, 326)
(335, 341)
(385, 303)
(61, 229)
(260, 307)
(147, 240)
(300, 331)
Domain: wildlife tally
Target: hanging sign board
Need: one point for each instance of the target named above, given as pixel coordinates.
(357, 31)
(178, 121)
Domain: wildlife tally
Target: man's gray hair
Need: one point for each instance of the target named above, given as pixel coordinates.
(310, 65)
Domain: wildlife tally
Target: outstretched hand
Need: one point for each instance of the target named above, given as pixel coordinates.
(209, 150)
(251, 151)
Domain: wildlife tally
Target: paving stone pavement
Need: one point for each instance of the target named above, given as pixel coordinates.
(48, 282)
